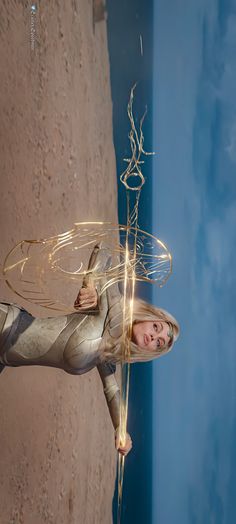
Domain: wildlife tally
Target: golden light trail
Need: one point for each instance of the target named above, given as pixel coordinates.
(132, 175)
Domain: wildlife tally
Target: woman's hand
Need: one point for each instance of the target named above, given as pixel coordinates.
(123, 449)
(87, 298)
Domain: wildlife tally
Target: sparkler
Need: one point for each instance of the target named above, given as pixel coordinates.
(133, 180)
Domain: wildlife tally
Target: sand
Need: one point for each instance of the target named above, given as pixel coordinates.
(57, 461)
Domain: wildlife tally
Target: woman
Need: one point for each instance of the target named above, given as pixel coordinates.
(92, 336)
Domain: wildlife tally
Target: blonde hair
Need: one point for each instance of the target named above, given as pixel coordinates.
(113, 345)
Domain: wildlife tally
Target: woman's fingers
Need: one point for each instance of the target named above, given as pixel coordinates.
(123, 449)
(87, 298)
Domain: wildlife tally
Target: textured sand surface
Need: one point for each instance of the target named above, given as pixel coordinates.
(57, 460)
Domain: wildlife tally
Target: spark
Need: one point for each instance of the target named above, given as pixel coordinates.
(141, 44)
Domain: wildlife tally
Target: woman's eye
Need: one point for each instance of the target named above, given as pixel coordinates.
(158, 343)
(157, 327)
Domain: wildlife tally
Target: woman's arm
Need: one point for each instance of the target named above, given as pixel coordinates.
(111, 391)
(88, 296)
(112, 394)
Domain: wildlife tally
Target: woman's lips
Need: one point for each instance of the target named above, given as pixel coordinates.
(146, 339)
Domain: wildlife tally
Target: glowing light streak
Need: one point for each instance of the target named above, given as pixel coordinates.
(141, 44)
(129, 176)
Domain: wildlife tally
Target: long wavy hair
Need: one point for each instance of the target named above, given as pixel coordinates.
(112, 347)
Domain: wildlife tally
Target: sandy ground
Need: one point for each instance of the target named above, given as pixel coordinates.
(57, 462)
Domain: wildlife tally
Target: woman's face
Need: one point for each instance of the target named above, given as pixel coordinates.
(151, 335)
